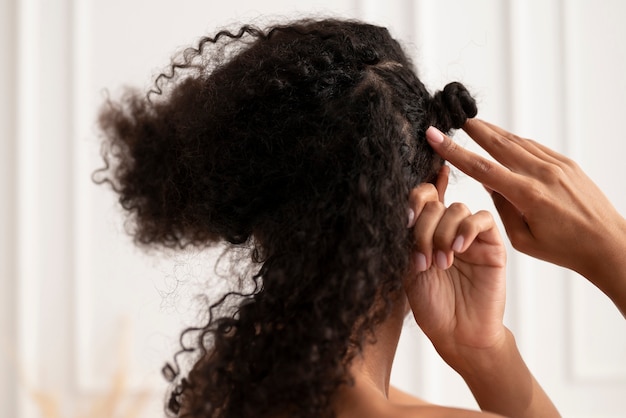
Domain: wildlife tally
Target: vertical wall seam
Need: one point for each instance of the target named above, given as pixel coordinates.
(81, 315)
(562, 103)
(26, 255)
(8, 326)
(524, 269)
(508, 26)
(570, 146)
(73, 74)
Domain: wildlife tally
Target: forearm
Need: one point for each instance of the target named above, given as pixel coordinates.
(501, 383)
(606, 267)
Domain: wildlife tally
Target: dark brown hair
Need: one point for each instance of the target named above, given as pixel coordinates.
(298, 144)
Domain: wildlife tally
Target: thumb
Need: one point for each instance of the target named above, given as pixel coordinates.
(514, 223)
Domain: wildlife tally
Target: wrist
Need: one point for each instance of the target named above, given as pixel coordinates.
(502, 383)
(476, 360)
(606, 266)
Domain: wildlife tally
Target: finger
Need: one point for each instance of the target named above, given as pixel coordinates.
(446, 233)
(480, 228)
(425, 227)
(418, 197)
(492, 175)
(441, 184)
(481, 224)
(513, 152)
(535, 147)
(514, 223)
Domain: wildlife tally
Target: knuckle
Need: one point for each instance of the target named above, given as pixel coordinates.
(481, 166)
(433, 206)
(497, 140)
(459, 208)
(486, 215)
(534, 193)
(426, 192)
(469, 225)
(450, 147)
(571, 164)
(551, 173)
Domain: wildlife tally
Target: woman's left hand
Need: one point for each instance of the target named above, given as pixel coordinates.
(456, 289)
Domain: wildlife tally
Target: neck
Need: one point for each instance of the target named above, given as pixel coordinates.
(372, 368)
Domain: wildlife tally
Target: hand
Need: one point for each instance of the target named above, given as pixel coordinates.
(457, 288)
(457, 297)
(550, 209)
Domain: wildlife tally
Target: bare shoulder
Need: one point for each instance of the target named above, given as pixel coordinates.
(434, 411)
(412, 406)
(401, 397)
(401, 404)
(414, 411)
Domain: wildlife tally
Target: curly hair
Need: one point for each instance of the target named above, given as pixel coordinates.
(297, 144)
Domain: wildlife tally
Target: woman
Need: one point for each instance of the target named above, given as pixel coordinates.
(304, 147)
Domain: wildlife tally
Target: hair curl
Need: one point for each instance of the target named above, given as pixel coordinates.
(298, 144)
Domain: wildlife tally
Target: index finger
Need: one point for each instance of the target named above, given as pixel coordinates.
(489, 173)
(516, 153)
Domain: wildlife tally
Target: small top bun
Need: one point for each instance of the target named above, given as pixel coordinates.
(451, 107)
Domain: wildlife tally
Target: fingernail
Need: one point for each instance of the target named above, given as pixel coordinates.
(411, 215)
(457, 245)
(442, 260)
(420, 262)
(434, 135)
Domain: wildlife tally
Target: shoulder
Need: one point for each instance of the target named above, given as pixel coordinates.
(415, 411)
(434, 411)
(404, 405)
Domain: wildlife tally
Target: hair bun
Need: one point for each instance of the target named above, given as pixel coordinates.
(451, 107)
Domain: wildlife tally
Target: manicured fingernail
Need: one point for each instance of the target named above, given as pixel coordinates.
(411, 215)
(442, 260)
(420, 262)
(434, 135)
(457, 245)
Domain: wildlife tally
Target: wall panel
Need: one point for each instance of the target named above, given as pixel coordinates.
(595, 90)
(8, 349)
(26, 220)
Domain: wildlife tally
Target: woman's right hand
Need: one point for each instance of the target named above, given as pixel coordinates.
(457, 294)
(549, 207)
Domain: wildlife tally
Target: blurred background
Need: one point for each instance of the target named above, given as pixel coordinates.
(87, 321)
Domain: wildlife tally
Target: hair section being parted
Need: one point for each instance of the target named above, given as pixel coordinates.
(297, 144)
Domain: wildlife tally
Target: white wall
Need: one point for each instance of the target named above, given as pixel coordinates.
(74, 293)
(8, 391)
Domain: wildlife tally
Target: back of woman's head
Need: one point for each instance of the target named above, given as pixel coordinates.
(299, 143)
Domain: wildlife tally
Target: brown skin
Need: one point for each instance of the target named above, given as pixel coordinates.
(546, 203)
(458, 301)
